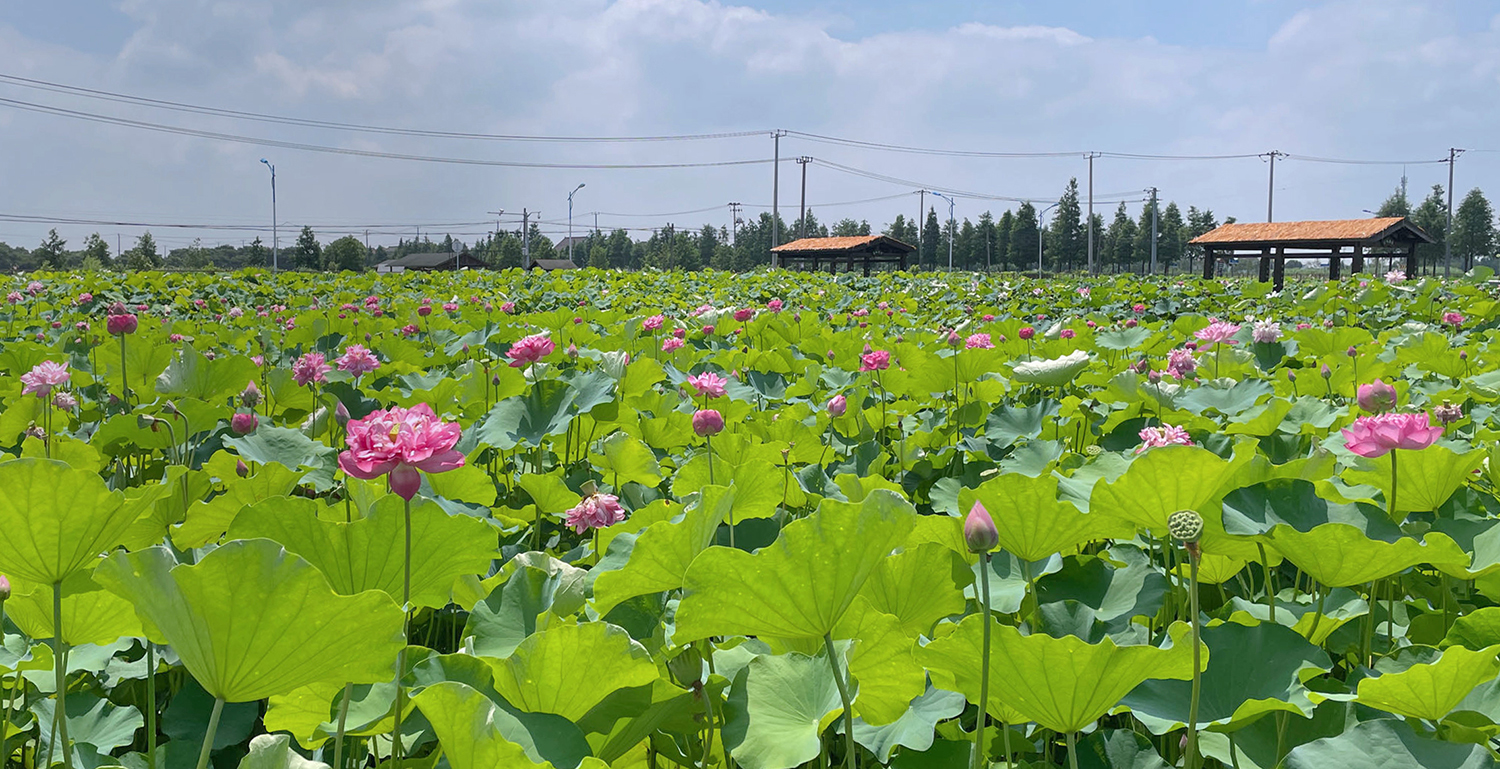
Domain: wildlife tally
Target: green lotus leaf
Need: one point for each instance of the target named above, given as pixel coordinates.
(206, 521)
(58, 520)
(527, 420)
(90, 614)
(569, 669)
(915, 729)
(664, 550)
(285, 446)
(882, 662)
(465, 723)
(1431, 690)
(1388, 744)
(1424, 479)
(193, 375)
(251, 620)
(95, 722)
(622, 458)
(470, 483)
(1064, 684)
(1235, 693)
(759, 485)
(1340, 607)
(367, 554)
(500, 621)
(274, 751)
(778, 706)
(1479, 629)
(1230, 401)
(1340, 555)
(1033, 523)
(1171, 478)
(1118, 749)
(800, 585)
(919, 586)
(1258, 508)
(1118, 589)
(1051, 373)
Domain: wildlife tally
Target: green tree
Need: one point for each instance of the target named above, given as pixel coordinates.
(52, 254)
(848, 228)
(599, 257)
(932, 238)
(1024, 237)
(1198, 223)
(1142, 245)
(308, 254)
(985, 249)
(621, 250)
(708, 246)
(143, 256)
(1474, 235)
(1170, 230)
(1065, 234)
(1396, 204)
(1004, 259)
(95, 252)
(347, 254)
(903, 230)
(256, 254)
(1118, 249)
(1432, 217)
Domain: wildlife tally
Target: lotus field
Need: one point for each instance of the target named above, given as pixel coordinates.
(602, 519)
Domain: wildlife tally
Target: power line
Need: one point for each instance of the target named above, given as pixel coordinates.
(111, 120)
(1355, 162)
(311, 123)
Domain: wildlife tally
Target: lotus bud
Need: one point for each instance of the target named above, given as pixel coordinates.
(1153, 376)
(837, 405)
(1463, 355)
(4, 589)
(341, 413)
(1326, 371)
(1376, 397)
(687, 667)
(495, 380)
(243, 423)
(954, 339)
(144, 421)
(240, 469)
(1291, 376)
(708, 422)
(980, 533)
(250, 398)
(572, 351)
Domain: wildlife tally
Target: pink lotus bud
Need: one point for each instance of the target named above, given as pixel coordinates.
(1377, 397)
(954, 339)
(979, 530)
(1026, 332)
(250, 398)
(1326, 371)
(4, 589)
(707, 422)
(243, 423)
(1351, 352)
(240, 469)
(120, 325)
(837, 405)
(341, 414)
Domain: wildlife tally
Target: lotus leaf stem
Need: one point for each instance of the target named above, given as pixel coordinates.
(838, 679)
(405, 639)
(1072, 750)
(980, 758)
(150, 703)
(1192, 734)
(60, 668)
(338, 738)
(208, 738)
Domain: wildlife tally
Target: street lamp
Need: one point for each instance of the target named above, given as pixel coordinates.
(570, 220)
(275, 250)
(1040, 229)
(952, 229)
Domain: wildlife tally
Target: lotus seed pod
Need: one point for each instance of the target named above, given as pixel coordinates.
(1185, 526)
(1093, 450)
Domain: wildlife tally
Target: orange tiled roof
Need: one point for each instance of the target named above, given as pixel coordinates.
(834, 244)
(1334, 230)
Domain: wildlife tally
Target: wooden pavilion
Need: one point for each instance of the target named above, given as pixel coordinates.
(1274, 242)
(863, 251)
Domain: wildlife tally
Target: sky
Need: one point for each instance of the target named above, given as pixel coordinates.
(1390, 83)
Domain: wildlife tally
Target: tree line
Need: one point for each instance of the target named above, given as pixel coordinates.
(990, 243)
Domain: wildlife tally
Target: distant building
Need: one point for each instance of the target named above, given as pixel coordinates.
(441, 261)
(552, 265)
(578, 242)
(849, 254)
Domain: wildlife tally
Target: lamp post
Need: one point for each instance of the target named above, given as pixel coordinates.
(952, 229)
(1040, 230)
(275, 247)
(570, 220)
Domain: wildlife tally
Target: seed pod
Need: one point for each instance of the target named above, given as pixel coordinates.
(1185, 526)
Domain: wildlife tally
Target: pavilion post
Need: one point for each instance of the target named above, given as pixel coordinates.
(1357, 264)
(1333, 262)
(1265, 266)
(1208, 263)
(1411, 259)
(1279, 276)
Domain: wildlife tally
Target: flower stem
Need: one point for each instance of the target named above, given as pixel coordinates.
(980, 759)
(338, 740)
(208, 739)
(838, 678)
(1192, 726)
(124, 380)
(1391, 508)
(150, 705)
(60, 670)
(405, 639)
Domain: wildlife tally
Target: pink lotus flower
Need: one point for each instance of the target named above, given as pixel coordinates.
(1137, 308)
(84, 298)
(1395, 276)
(679, 332)
(13, 297)
(654, 322)
(1166, 435)
(65, 401)
(119, 325)
(450, 307)
(707, 330)
(954, 339)
(1181, 364)
(707, 422)
(875, 360)
(424, 310)
(708, 384)
(978, 342)
(1376, 397)
(743, 314)
(1265, 332)
(837, 405)
(357, 361)
(410, 329)
(980, 533)
(42, 377)
(34, 287)
(1026, 333)
(670, 343)
(1378, 435)
(1448, 413)
(310, 369)
(774, 305)
(1218, 332)
(243, 423)
(594, 511)
(401, 443)
(1453, 319)
(530, 349)
(1067, 333)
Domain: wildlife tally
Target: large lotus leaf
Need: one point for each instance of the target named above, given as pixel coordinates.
(251, 620)
(274, 751)
(285, 446)
(528, 419)
(622, 458)
(621, 724)
(206, 521)
(1165, 480)
(777, 708)
(664, 550)
(57, 520)
(90, 614)
(1431, 690)
(193, 375)
(1124, 586)
(465, 723)
(919, 586)
(889, 676)
(570, 668)
(758, 484)
(1064, 684)
(1214, 569)
(1387, 744)
(1479, 629)
(1256, 509)
(367, 554)
(1118, 749)
(1478, 536)
(1234, 692)
(1009, 422)
(915, 728)
(1340, 555)
(1033, 523)
(1424, 479)
(800, 585)
(97, 723)
(1229, 401)
(1340, 607)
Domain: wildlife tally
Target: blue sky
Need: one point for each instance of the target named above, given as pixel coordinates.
(1358, 79)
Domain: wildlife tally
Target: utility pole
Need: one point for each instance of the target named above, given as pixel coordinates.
(1271, 186)
(1152, 190)
(497, 214)
(1453, 153)
(776, 194)
(596, 222)
(921, 219)
(1091, 157)
(952, 229)
(367, 247)
(275, 241)
(734, 222)
(525, 239)
(803, 161)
